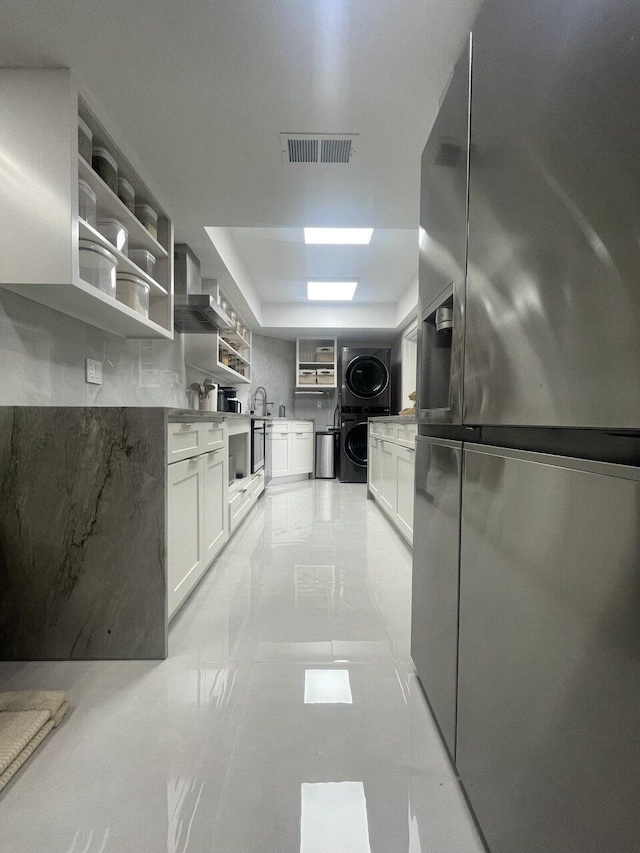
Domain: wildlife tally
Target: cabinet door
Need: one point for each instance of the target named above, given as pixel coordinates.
(215, 503)
(186, 562)
(405, 460)
(388, 481)
(301, 453)
(280, 455)
(375, 465)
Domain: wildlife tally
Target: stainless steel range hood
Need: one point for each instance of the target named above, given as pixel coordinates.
(199, 313)
(194, 312)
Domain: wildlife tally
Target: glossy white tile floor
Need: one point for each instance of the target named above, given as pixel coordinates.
(287, 717)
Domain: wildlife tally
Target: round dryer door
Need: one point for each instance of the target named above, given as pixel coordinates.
(355, 444)
(366, 376)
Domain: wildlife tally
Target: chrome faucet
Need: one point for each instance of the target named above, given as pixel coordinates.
(263, 400)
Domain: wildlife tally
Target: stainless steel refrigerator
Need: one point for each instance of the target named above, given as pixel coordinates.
(526, 611)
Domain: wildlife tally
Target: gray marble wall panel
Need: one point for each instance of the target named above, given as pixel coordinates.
(307, 407)
(273, 364)
(42, 356)
(82, 533)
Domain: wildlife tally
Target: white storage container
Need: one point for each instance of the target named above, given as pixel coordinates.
(116, 233)
(307, 377)
(134, 292)
(104, 164)
(326, 377)
(324, 354)
(85, 140)
(127, 194)
(143, 259)
(98, 267)
(149, 218)
(87, 202)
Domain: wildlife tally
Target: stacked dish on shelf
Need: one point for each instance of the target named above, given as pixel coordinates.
(107, 270)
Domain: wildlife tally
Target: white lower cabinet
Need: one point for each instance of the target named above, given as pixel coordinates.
(389, 475)
(203, 510)
(185, 559)
(216, 530)
(375, 466)
(405, 467)
(280, 455)
(197, 523)
(301, 452)
(391, 470)
(290, 448)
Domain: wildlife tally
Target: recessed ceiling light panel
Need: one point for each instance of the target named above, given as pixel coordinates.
(338, 236)
(331, 291)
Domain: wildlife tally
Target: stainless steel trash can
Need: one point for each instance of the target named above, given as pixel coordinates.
(325, 456)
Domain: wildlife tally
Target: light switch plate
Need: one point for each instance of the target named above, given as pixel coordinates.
(93, 372)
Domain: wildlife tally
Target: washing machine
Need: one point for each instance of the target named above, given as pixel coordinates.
(365, 381)
(353, 448)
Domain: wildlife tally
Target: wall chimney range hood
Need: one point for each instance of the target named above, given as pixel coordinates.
(194, 311)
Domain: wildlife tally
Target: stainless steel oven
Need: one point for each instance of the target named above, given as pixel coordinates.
(258, 442)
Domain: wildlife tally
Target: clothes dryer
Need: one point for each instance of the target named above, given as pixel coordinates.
(365, 380)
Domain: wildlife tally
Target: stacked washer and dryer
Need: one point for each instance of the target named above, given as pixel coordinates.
(365, 391)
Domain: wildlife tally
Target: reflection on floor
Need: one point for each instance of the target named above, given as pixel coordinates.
(287, 717)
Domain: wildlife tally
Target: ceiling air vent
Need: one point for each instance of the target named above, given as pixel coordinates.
(319, 148)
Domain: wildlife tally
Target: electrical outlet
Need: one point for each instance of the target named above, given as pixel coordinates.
(93, 372)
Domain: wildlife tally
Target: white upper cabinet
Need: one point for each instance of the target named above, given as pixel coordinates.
(41, 229)
(316, 364)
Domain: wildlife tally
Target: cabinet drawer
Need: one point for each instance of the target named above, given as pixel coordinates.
(280, 426)
(406, 434)
(184, 440)
(257, 484)
(375, 428)
(388, 430)
(239, 506)
(301, 426)
(214, 435)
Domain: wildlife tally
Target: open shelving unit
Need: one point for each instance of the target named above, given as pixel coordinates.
(316, 365)
(40, 243)
(225, 355)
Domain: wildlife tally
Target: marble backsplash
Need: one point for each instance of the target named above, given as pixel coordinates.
(307, 407)
(82, 533)
(273, 365)
(42, 362)
(43, 352)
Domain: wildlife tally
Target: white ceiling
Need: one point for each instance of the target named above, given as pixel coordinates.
(279, 263)
(201, 89)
